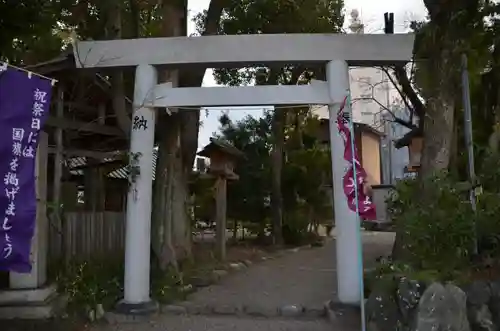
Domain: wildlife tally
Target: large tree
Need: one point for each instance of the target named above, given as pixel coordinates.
(178, 142)
(432, 88)
(27, 42)
(435, 96)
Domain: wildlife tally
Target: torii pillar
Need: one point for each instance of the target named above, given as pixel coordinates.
(137, 298)
(347, 223)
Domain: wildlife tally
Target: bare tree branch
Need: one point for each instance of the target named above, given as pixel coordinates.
(395, 119)
(409, 91)
(405, 123)
(400, 92)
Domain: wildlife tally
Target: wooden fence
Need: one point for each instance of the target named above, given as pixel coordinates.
(88, 234)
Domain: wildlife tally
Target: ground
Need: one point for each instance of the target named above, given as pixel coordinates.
(304, 277)
(221, 323)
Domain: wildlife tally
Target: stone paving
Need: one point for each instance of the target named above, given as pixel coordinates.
(286, 293)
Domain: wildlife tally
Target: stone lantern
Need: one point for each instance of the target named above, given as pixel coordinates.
(415, 153)
(223, 157)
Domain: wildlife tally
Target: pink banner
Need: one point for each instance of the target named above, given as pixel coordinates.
(366, 206)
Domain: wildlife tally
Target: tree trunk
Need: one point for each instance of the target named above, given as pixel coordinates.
(171, 226)
(114, 31)
(278, 128)
(170, 221)
(438, 135)
(220, 217)
(455, 143)
(135, 19)
(177, 147)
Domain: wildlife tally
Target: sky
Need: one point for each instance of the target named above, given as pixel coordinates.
(371, 14)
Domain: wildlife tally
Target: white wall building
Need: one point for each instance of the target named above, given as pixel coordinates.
(371, 91)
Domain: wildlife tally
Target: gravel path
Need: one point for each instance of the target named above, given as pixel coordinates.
(305, 278)
(205, 323)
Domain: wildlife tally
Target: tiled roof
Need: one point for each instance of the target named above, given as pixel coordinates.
(221, 145)
(120, 173)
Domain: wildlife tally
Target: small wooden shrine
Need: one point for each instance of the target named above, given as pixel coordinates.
(414, 141)
(223, 157)
(415, 153)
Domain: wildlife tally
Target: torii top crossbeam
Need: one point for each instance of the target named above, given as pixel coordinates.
(246, 50)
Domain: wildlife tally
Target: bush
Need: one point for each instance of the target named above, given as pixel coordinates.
(488, 223)
(169, 285)
(388, 274)
(292, 236)
(295, 228)
(89, 283)
(488, 208)
(435, 222)
(100, 281)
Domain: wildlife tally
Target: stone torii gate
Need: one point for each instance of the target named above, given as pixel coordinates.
(336, 51)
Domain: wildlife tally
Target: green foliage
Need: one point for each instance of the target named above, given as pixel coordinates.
(168, 286)
(385, 275)
(436, 225)
(308, 171)
(277, 16)
(305, 172)
(295, 229)
(31, 29)
(247, 197)
(90, 283)
(100, 281)
(488, 208)
(204, 202)
(454, 28)
(388, 274)
(274, 16)
(28, 30)
(435, 222)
